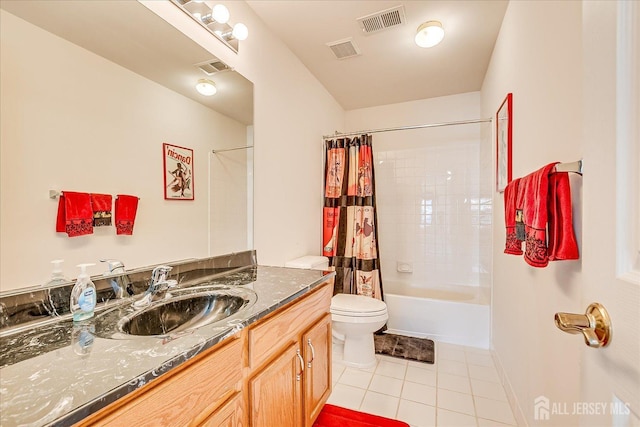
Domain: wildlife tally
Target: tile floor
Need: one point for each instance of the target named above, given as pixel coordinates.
(461, 389)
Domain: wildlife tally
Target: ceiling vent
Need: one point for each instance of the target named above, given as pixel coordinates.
(345, 48)
(382, 20)
(212, 66)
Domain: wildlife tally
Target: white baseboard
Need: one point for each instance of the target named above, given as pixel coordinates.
(511, 396)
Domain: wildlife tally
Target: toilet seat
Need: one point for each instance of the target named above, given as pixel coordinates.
(357, 306)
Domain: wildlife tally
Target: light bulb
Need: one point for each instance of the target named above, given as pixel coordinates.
(206, 87)
(429, 34)
(240, 31)
(220, 13)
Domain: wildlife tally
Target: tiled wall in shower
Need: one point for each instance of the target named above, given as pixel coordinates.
(433, 218)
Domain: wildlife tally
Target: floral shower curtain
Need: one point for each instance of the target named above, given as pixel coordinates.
(349, 217)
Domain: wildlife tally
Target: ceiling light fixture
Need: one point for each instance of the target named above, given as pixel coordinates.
(429, 34)
(216, 20)
(206, 87)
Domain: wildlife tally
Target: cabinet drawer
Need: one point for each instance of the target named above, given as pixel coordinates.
(186, 396)
(272, 335)
(229, 415)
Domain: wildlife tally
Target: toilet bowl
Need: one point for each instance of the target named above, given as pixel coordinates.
(354, 319)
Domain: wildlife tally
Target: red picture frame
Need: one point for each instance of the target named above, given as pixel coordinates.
(504, 136)
(178, 172)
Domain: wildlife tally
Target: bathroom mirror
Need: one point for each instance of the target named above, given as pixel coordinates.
(90, 92)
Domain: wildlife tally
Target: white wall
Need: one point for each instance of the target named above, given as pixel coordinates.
(428, 190)
(90, 125)
(292, 111)
(538, 58)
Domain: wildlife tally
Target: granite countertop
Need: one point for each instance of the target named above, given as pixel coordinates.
(45, 380)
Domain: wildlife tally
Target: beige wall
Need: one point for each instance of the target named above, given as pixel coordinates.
(89, 125)
(538, 58)
(292, 111)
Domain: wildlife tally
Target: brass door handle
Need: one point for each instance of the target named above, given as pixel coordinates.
(594, 325)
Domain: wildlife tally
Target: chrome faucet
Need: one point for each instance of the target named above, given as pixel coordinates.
(119, 283)
(158, 286)
(113, 265)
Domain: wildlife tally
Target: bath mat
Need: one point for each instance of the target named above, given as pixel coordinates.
(336, 416)
(409, 348)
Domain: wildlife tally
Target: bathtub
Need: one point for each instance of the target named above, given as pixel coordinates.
(451, 314)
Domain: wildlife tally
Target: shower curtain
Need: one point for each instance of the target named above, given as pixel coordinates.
(349, 217)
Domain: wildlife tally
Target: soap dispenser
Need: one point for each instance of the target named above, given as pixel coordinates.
(117, 283)
(83, 295)
(57, 277)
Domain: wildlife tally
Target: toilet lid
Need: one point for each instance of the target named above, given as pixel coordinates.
(354, 305)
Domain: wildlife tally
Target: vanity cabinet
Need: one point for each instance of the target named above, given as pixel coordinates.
(276, 372)
(317, 375)
(275, 393)
(290, 361)
(185, 396)
(229, 415)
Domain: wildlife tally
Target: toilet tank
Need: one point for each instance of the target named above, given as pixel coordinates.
(312, 262)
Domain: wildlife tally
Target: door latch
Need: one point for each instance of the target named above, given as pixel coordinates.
(594, 325)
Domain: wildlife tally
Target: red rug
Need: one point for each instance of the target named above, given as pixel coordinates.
(335, 416)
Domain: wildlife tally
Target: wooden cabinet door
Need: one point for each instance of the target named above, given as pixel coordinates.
(275, 393)
(317, 377)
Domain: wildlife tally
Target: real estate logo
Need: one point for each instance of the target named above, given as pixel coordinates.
(541, 408)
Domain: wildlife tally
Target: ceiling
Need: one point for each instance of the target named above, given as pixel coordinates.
(129, 34)
(391, 67)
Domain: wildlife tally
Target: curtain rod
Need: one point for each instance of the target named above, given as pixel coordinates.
(231, 149)
(431, 125)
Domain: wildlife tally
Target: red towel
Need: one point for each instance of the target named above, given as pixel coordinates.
(545, 199)
(101, 206)
(535, 188)
(126, 208)
(513, 245)
(75, 216)
(562, 239)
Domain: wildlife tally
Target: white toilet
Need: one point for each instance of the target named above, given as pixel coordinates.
(354, 319)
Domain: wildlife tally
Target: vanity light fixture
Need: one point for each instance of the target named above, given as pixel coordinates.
(206, 87)
(215, 20)
(429, 34)
(220, 13)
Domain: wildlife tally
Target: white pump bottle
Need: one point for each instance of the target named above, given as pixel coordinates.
(83, 296)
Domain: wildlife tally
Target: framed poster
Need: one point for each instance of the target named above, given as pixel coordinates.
(504, 120)
(178, 172)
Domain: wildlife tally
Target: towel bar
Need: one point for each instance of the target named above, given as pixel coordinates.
(54, 194)
(575, 167)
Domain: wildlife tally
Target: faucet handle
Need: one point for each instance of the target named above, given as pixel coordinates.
(168, 284)
(113, 264)
(160, 273)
